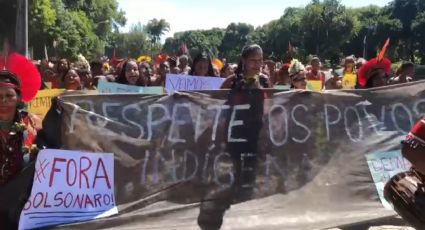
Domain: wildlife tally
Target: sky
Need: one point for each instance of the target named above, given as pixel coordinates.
(201, 14)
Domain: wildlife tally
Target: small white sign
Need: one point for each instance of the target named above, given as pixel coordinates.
(191, 83)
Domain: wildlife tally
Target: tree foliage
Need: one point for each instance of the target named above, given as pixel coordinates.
(75, 26)
(325, 28)
(157, 28)
(197, 41)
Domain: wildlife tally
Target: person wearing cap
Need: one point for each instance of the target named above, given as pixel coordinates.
(297, 74)
(406, 191)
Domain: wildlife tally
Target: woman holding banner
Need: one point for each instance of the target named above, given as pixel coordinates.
(248, 74)
(244, 85)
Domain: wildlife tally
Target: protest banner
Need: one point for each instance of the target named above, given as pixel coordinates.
(308, 149)
(383, 166)
(314, 86)
(112, 87)
(68, 187)
(191, 83)
(42, 101)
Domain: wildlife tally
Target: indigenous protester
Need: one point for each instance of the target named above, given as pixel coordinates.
(173, 65)
(217, 66)
(216, 71)
(202, 66)
(314, 74)
(84, 72)
(227, 71)
(282, 76)
(359, 63)
(129, 74)
(183, 65)
(98, 73)
(248, 74)
(145, 72)
(87, 79)
(334, 82)
(297, 74)
(17, 132)
(271, 66)
(406, 191)
(164, 69)
(72, 80)
(406, 73)
(62, 69)
(349, 75)
(374, 73)
(48, 76)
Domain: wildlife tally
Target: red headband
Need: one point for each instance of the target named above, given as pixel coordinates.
(418, 131)
(416, 136)
(8, 85)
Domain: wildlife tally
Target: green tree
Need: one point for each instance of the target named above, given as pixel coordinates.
(375, 27)
(157, 28)
(134, 43)
(42, 21)
(235, 38)
(76, 26)
(418, 29)
(275, 36)
(327, 27)
(406, 11)
(197, 41)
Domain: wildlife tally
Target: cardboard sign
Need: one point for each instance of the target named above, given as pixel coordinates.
(349, 81)
(70, 186)
(191, 83)
(314, 86)
(40, 105)
(383, 166)
(112, 87)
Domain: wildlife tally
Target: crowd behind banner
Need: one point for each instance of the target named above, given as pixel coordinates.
(252, 72)
(288, 73)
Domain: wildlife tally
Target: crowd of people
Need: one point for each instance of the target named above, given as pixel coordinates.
(17, 132)
(353, 73)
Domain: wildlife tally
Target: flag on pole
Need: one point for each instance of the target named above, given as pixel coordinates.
(384, 50)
